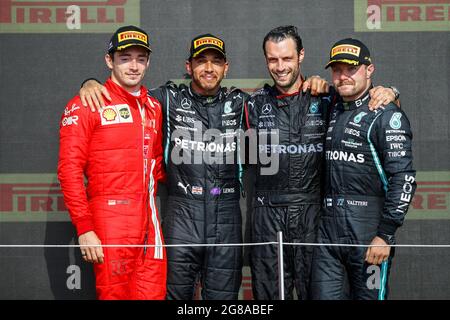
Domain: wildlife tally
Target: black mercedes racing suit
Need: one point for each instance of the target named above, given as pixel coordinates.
(369, 185)
(287, 199)
(203, 190)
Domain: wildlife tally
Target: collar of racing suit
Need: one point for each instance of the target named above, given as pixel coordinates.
(119, 91)
(280, 95)
(352, 105)
(284, 99)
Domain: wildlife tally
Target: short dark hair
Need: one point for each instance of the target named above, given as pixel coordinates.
(111, 54)
(280, 33)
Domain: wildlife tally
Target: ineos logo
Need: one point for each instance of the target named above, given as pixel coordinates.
(266, 109)
(185, 103)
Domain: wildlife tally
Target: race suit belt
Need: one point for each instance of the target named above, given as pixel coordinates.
(279, 200)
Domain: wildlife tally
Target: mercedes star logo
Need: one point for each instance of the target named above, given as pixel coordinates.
(267, 108)
(185, 103)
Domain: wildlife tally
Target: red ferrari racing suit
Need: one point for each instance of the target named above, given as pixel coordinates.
(119, 151)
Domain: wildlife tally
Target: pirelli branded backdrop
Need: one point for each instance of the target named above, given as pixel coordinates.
(47, 48)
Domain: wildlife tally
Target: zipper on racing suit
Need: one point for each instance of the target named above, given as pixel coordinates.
(145, 167)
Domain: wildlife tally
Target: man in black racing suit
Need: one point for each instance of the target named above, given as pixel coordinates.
(369, 183)
(203, 180)
(289, 200)
(291, 126)
(203, 190)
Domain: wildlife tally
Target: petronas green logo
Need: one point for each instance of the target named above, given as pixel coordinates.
(314, 108)
(227, 108)
(359, 116)
(395, 121)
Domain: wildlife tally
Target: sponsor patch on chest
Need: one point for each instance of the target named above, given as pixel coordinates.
(115, 114)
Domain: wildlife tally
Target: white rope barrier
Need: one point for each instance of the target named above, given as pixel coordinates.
(279, 243)
(220, 245)
(369, 245)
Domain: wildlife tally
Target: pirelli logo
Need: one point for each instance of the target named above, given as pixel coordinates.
(208, 40)
(59, 16)
(402, 15)
(431, 200)
(38, 197)
(31, 197)
(132, 35)
(347, 49)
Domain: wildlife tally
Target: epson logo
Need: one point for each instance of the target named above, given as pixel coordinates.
(291, 149)
(345, 156)
(395, 138)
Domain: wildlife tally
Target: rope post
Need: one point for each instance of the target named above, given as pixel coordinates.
(280, 265)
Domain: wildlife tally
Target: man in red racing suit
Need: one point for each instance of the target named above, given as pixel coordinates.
(119, 150)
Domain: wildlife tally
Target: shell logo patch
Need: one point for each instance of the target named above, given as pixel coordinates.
(109, 114)
(116, 114)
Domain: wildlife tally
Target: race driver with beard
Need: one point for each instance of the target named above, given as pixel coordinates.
(203, 196)
(291, 127)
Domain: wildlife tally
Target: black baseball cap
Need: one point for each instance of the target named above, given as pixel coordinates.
(204, 42)
(350, 51)
(128, 36)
